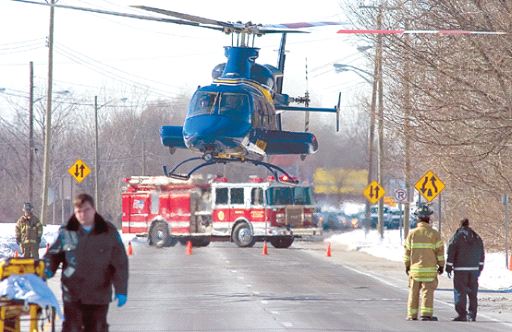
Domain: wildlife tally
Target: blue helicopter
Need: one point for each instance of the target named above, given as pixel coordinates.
(237, 118)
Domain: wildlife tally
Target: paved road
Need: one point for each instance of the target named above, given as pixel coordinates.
(224, 288)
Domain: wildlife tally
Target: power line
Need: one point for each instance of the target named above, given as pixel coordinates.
(110, 72)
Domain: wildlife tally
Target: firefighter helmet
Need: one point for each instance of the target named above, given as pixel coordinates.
(423, 210)
(27, 207)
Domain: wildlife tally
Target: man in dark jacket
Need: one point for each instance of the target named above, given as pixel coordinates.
(466, 258)
(93, 259)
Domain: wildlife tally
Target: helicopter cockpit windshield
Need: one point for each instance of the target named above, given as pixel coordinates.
(231, 104)
(203, 103)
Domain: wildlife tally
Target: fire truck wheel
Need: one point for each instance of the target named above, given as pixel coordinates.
(281, 242)
(242, 235)
(160, 235)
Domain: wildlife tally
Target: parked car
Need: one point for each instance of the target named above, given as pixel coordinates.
(395, 216)
(374, 216)
(334, 220)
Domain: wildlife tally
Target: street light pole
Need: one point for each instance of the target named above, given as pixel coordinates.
(338, 67)
(31, 137)
(48, 122)
(380, 157)
(371, 131)
(96, 152)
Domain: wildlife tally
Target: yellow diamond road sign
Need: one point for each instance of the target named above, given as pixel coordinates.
(79, 170)
(374, 192)
(429, 186)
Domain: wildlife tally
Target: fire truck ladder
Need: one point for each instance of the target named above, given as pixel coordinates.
(274, 169)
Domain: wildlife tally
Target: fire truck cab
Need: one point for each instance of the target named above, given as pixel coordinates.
(202, 210)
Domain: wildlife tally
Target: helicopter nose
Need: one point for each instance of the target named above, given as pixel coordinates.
(213, 133)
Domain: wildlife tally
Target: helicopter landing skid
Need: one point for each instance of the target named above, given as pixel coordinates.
(274, 169)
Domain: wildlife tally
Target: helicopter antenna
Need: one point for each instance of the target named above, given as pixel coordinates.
(279, 81)
(306, 102)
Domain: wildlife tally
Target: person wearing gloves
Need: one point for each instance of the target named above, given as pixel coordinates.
(93, 260)
(466, 257)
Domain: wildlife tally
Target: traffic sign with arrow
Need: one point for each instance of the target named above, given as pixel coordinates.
(79, 171)
(374, 192)
(429, 186)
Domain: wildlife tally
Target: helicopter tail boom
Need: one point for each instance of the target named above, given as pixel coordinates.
(284, 142)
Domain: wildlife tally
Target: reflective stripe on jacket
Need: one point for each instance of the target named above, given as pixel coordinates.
(424, 252)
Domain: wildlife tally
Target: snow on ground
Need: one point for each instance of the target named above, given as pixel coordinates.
(495, 275)
(8, 245)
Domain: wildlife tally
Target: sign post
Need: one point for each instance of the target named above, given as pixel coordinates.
(374, 192)
(505, 205)
(401, 197)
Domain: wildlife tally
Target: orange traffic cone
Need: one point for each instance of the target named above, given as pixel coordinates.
(328, 252)
(189, 248)
(16, 254)
(510, 263)
(130, 249)
(265, 248)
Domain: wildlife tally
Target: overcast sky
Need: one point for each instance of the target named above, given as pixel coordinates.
(110, 56)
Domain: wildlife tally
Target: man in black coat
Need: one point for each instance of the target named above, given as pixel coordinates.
(466, 258)
(93, 259)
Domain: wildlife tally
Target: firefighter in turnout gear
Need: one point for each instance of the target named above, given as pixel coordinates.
(424, 259)
(466, 257)
(29, 232)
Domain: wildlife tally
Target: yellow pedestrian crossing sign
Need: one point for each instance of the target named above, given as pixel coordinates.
(429, 186)
(79, 170)
(374, 192)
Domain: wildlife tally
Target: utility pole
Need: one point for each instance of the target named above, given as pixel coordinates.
(380, 123)
(407, 134)
(31, 137)
(48, 122)
(371, 135)
(96, 153)
(143, 156)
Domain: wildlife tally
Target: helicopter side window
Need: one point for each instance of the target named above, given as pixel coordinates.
(268, 117)
(257, 117)
(272, 118)
(203, 103)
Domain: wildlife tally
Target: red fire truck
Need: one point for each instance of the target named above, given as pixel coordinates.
(201, 210)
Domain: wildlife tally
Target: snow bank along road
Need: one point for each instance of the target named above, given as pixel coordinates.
(225, 288)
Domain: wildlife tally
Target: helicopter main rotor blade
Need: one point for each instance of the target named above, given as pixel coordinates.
(292, 27)
(108, 12)
(438, 32)
(302, 25)
(187, 17)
